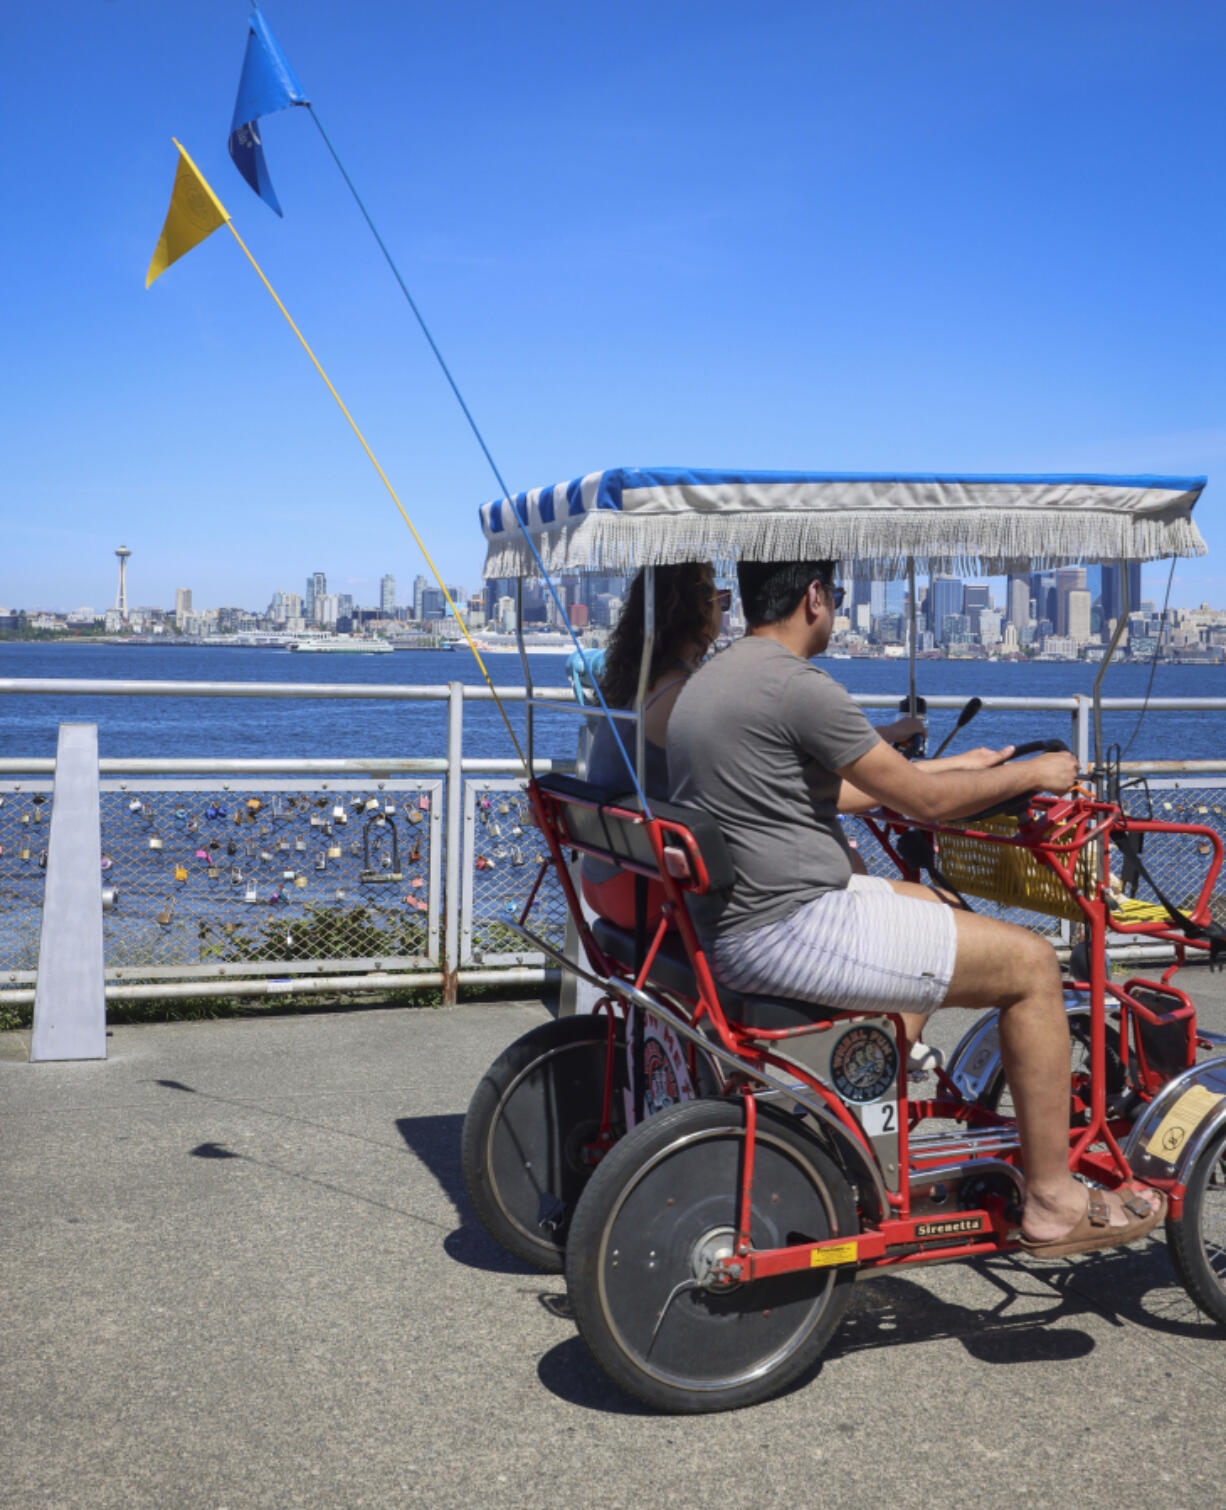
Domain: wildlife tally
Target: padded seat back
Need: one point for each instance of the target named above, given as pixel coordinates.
(609, 825)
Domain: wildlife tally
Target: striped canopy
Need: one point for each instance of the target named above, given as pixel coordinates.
(619, 520)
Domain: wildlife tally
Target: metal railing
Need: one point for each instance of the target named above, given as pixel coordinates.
(297, 875)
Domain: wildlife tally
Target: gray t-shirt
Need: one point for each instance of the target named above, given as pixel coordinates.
(756, 739)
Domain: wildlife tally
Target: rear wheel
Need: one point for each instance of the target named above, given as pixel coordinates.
(660, 1209)
(529, 1136)
(1197, 1243)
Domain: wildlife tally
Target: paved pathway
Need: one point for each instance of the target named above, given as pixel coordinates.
(238, 1270)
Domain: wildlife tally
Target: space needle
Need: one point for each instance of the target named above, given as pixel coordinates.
(121, 597)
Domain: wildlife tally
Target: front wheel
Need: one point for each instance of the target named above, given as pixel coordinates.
(1197, 1243)
(657, 1213)
(528, 1146)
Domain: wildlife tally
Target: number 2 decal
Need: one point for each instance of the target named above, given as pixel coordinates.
(879, 1118)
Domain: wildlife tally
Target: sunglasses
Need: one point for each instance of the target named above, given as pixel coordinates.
(837, 594)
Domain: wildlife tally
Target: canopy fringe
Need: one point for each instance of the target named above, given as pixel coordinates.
(935, 540)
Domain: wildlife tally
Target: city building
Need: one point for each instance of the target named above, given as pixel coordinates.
(387, 596)
(316, 587)
(945, 598)
(1077, 615)
(420, 584)
(1017, 602)
(183, 607)
(1111, 594)
(1068, 579)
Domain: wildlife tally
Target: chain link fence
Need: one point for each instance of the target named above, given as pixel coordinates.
(25, 827)
(502, 856)
(286, 877)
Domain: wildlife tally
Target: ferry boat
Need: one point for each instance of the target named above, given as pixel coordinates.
(344, 644)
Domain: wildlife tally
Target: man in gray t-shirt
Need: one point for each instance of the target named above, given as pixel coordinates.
(757, 741)
(772, 747)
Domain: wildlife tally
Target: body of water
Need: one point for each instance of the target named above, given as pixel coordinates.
(160, 726)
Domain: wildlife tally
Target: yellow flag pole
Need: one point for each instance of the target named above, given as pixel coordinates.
(374, 462)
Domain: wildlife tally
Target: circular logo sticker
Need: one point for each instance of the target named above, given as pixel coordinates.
(864, 1064)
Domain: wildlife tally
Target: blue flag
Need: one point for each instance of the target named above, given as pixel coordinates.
(268, 84)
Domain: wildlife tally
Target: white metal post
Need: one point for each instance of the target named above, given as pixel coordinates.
(70, 999)
(455, 828)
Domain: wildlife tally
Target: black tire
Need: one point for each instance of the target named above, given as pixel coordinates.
(1197, 1242)
(998, 1098)
(530, 1120)
(665, 1196)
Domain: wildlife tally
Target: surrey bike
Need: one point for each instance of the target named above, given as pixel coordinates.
(710, 1247)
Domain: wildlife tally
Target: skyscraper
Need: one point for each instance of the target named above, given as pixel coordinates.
(1043, 591)
(1077, 614)
(387, 596)
(183, 605)
(420, 584)
(1017, 603)
(1112, 594)
(316, 588)
(1068, 579)
(945, 598)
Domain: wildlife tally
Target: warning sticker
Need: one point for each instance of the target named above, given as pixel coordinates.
(1181, 1122)
(839, 1253)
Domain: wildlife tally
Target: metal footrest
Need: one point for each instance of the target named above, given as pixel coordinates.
(957, 1147)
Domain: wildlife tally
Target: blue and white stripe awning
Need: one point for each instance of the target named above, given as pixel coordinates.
(619, 520)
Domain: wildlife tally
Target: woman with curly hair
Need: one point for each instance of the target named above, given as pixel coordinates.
(688, 613)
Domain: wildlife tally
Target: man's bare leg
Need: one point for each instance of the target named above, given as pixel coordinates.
(1000, 965)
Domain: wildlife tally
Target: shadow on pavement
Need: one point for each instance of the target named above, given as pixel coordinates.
(435, 1141)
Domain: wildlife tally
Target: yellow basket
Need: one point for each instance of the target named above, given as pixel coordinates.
(1008, 874)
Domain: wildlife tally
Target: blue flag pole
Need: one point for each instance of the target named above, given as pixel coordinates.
(268, 84)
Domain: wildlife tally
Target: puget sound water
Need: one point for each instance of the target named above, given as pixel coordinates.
(211, 727)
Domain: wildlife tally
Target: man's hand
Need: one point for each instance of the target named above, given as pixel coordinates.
(902, 729)
(1053, 773)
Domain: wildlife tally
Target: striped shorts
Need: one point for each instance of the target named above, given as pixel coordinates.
(862, 948)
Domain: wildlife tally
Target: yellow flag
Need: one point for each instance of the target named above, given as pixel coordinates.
(195, 212)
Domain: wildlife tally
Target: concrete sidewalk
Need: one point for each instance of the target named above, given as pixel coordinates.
(239, 1270)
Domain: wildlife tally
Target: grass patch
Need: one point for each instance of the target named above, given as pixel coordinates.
(215, 1008)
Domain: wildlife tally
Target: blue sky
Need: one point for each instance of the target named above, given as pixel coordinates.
(884, 236)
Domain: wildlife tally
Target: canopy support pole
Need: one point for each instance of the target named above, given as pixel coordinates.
(911, 698)
(523, 661)
(1121, 624)
(649, 643)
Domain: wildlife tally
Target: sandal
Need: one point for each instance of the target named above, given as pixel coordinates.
(1094, 1229)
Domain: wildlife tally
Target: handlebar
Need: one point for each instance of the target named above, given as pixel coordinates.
(1039, 747)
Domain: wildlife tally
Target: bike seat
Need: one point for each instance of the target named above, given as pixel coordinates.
(671, 969)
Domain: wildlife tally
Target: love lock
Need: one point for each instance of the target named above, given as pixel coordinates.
(134, 804)
(154, 842)
(321, 862)
(167, 913)
(299, 843)
(180, 874)
(250, 895)
(214, 873)
(300, 882)
(504, 808)
(334, 852)
(387, 871)
(389, 807)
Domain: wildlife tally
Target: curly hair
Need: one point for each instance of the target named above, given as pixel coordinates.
(683, 617)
